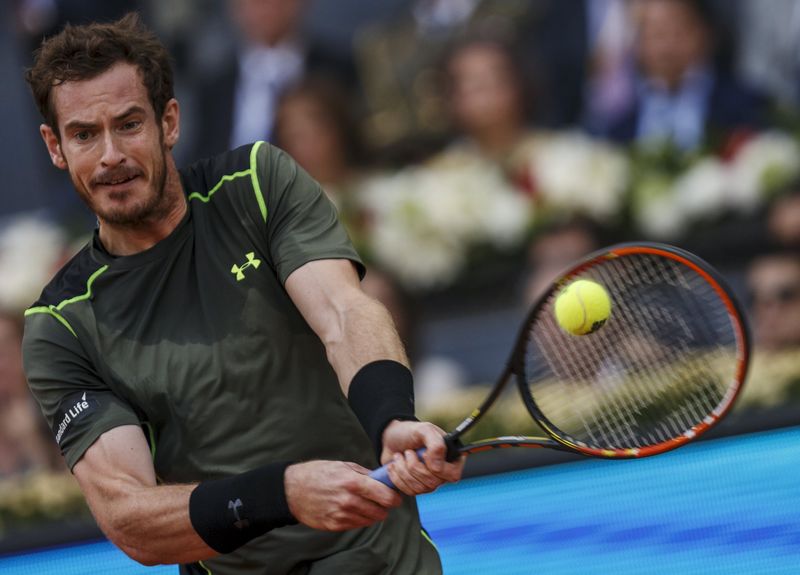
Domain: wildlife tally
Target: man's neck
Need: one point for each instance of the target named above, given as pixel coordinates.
(128, 241)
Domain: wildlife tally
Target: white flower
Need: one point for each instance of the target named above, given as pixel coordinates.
(424, 221)
(765, 162)
(30, 249)
(659, 218)
(702, 191)
(419, 258)
(575, 173)
(506, 219)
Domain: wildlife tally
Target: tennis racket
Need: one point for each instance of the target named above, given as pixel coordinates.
(665, 367)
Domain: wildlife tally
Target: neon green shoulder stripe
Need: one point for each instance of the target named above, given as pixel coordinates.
(252, 172)
(225, 178)
(55, 314)
(256, 185)
(203, 565)
(88, 293)
(54, 309)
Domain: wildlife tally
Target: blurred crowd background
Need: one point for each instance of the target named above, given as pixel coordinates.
(473, 148)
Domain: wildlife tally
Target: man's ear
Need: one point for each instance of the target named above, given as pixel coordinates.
(53, 146)
(171, 123)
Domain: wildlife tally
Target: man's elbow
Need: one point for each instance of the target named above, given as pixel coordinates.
(139, 554)
(134, 544)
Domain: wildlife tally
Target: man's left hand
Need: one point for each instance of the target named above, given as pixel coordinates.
(411, 476)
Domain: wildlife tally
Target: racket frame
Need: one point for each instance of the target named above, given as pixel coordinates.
(555, 439)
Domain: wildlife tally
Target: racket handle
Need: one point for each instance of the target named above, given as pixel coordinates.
(382, 473)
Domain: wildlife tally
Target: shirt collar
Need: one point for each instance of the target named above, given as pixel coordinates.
(696, 79)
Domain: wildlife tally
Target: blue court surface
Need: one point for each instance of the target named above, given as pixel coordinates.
(727, 506)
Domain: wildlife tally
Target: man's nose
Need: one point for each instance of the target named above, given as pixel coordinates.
(112, 154)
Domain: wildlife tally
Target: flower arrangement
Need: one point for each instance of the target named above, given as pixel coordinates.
(575, 174)
(30, 252)
(426, 224)
(673, 193)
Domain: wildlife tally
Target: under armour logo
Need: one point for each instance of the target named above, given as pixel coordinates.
(234, 506)
(239, 270)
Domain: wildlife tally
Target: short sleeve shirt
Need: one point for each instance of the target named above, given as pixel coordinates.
(197, 341)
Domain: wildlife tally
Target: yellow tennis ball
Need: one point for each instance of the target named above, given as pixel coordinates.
(582, 307)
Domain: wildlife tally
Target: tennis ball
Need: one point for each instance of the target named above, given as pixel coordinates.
(582, 307)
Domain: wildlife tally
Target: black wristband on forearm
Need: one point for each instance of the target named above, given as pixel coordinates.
(229, 512)
(380, 392)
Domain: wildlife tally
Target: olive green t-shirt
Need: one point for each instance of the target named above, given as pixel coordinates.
(197, 341)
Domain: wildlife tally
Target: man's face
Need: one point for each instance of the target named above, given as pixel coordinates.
(774, 285)
(267, 22)
(672, 39)
(485, 91)
(112, 144)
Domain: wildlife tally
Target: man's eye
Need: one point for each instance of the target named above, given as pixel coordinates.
(132, 125)
(82, 136)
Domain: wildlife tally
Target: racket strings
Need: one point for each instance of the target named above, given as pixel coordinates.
(685, 414)
(663, 361)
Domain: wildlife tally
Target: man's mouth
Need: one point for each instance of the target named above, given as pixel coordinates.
(116, 181)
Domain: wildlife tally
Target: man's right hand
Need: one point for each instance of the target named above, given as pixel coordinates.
(336, 496)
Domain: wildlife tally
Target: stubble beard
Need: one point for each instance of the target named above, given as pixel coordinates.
(152, 208)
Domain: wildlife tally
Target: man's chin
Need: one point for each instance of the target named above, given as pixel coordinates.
(125, 213)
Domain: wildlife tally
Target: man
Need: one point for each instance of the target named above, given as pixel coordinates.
(236, 101)
(180, 357)
(682, 97)
(773, 284)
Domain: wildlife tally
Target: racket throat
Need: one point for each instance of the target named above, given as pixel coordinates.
(454, 446)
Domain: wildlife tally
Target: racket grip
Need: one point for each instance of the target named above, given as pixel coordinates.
(382, 473)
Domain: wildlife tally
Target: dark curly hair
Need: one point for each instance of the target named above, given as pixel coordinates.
(84, 52)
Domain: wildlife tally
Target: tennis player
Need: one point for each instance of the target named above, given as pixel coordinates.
(188, 357)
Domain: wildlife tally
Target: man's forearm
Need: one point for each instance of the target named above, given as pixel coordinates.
(365, 333)
(152, 526)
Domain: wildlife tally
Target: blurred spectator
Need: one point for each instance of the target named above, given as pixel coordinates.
(773, 282)
(24, 441)
(487, 98)
(399, 64)
(681, 96)
(783, 218)
(610, 83)
(554, 249)
(490, 105)
(315, 125)
(30, 182)
(236, 104)
(769, 47)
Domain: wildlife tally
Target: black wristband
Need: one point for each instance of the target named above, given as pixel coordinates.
(229, 512)
(380, 392)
